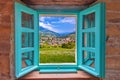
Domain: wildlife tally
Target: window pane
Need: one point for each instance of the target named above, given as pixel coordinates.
(89, 21)
(93, 39)
(27, 20)
(89, 59)
(84, 39)
(89, 39)
(27, 39)
(27, 59)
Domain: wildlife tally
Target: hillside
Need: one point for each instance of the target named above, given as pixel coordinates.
(47, 33)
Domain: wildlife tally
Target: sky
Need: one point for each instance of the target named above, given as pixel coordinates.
(59, 24)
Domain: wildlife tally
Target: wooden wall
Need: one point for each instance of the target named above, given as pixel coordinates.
(113, 39)
(7, 39)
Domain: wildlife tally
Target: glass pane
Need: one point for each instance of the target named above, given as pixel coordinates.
(89, 39)
(27, 20)
(27, 39)
(93, 39)
(84, 39)
(27, 59)
(89, 58)
(89, 21)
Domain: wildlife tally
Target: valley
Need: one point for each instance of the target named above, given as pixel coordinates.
(56, 47)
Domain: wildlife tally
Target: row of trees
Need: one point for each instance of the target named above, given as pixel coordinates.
(68, 45)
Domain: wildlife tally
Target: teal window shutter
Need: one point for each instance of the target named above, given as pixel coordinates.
(91, 34)
(26, 40)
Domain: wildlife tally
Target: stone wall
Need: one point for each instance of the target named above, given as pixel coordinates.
(6, 39)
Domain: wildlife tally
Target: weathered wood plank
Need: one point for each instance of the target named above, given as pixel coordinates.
(80, 75)
(58, 2)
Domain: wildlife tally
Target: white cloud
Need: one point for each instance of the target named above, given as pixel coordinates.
(48, 26)
(68, 20)
(42, 19)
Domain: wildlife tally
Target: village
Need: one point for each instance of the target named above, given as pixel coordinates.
(55, 41)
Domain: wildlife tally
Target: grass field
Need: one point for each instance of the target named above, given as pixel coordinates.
(57, 55)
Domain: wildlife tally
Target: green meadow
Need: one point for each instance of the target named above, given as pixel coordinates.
(57, 55)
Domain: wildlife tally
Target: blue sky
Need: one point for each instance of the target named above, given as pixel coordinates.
(59, 24)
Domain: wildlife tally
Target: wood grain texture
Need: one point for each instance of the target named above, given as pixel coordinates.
(80, 75)
(58, 2)
(6, 26)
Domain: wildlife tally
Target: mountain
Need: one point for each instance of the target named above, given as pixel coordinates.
(67, 34)
(72, 35)
(49, 33)
(46, 32)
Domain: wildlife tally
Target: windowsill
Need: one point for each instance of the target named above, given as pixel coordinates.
(40, 76)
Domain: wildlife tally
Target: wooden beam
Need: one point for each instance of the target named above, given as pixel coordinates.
(59, 2)
(80, 75)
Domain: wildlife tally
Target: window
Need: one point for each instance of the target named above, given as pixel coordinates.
(26, 40)
(57, 39)
(90, 38)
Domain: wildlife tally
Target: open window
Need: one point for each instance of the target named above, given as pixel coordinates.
(90, 42)
(26, 40)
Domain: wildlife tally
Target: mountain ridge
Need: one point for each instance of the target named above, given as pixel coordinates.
(46, 32)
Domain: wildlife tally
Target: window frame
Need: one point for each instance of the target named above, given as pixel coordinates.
(19, 29)
(100, 40)
(70, 67)
(100, 7)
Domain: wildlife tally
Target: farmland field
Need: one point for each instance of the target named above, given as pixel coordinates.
(57, 55)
